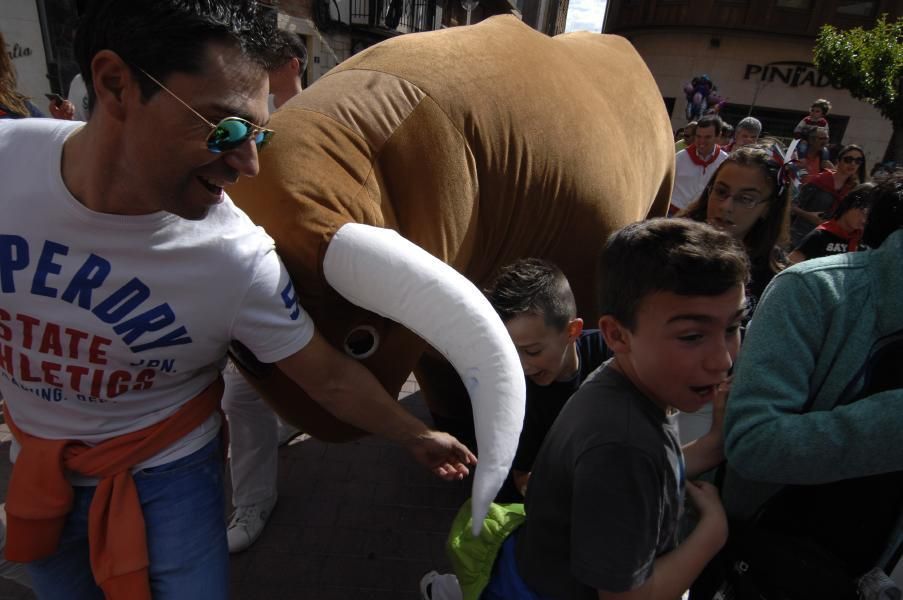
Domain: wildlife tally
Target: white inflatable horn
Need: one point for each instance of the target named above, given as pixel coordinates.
(380, 271)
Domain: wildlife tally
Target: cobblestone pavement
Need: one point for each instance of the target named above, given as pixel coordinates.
(354, 521)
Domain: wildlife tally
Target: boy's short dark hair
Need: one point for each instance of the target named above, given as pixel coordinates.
(532, 285)
(288, 45)
(859, 197)
(666, 255)
(167, 36)
(710, 121)
(886, 213)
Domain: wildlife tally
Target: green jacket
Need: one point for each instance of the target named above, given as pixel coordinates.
(473, 557)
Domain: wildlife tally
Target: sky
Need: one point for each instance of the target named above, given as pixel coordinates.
(585, 15)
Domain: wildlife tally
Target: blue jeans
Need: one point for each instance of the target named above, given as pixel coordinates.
(506, 581)
(184, 514)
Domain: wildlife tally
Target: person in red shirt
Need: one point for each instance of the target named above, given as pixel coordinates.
(821, 194)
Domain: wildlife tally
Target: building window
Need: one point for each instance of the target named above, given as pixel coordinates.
(856, 8)
(796, 4)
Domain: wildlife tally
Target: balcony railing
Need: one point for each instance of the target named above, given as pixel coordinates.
(415, 15)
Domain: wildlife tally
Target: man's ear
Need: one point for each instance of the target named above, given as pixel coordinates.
(617, 336)
(112, 79)
(574, 328)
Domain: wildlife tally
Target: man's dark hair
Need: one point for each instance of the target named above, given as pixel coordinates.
(727, 129)
(532, 285)
(859, 197)
(886, 214)
(287, 46)
(710, 121)
(167, 36)
(666, 255)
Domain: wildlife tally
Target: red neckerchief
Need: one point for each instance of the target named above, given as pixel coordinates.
(834, 227)
(691, 152)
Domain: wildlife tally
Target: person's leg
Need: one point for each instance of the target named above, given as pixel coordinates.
(253, 442)
(184, 514)
(67, 574)
(254, 446)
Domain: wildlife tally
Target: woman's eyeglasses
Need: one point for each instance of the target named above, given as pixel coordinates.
(229, 133)
(853, 159)
(745, 200)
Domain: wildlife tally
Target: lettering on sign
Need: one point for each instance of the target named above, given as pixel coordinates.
(791, 73)
(19, 51)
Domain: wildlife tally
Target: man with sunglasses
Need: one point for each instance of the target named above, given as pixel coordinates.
(125, 272)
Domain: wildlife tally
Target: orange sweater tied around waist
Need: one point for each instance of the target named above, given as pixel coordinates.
(40, 496)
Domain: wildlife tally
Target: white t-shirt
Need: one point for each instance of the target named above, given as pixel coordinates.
(690, 179)
(110, 323)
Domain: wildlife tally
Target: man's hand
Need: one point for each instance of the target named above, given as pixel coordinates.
(444, 455)
(62, 110)
(349, 391)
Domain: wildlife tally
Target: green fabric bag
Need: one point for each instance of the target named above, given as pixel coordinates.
(473, 557)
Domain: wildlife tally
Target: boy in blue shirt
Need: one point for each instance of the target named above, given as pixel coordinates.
(536, 304)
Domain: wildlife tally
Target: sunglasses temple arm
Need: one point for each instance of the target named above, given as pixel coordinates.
(171, 93)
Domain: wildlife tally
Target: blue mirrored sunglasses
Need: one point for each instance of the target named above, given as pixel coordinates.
(229, 133)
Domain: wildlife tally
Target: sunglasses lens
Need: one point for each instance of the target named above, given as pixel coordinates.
(232, 132)
(263, 137)
(229, 133)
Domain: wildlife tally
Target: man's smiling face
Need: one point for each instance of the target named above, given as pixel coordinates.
(166, 148)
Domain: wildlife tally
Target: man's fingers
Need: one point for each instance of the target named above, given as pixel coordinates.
(466, 456)
(451, 472)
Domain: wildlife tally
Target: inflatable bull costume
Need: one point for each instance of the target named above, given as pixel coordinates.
(432, 159)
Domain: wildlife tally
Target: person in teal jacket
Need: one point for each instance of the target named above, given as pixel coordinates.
(817, 398)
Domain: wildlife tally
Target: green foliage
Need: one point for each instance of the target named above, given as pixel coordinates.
(868, 62)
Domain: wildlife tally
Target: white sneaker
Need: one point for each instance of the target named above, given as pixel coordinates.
(440, 586)
(247, 524)
(426, 585)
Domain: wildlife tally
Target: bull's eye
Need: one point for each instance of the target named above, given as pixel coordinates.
(361, 342)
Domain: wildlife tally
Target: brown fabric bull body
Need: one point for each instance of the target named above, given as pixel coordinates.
(479, 144)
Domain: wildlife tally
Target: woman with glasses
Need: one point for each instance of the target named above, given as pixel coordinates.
(745, 198)
(748, 197)
(821, 195)
(842, 232)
